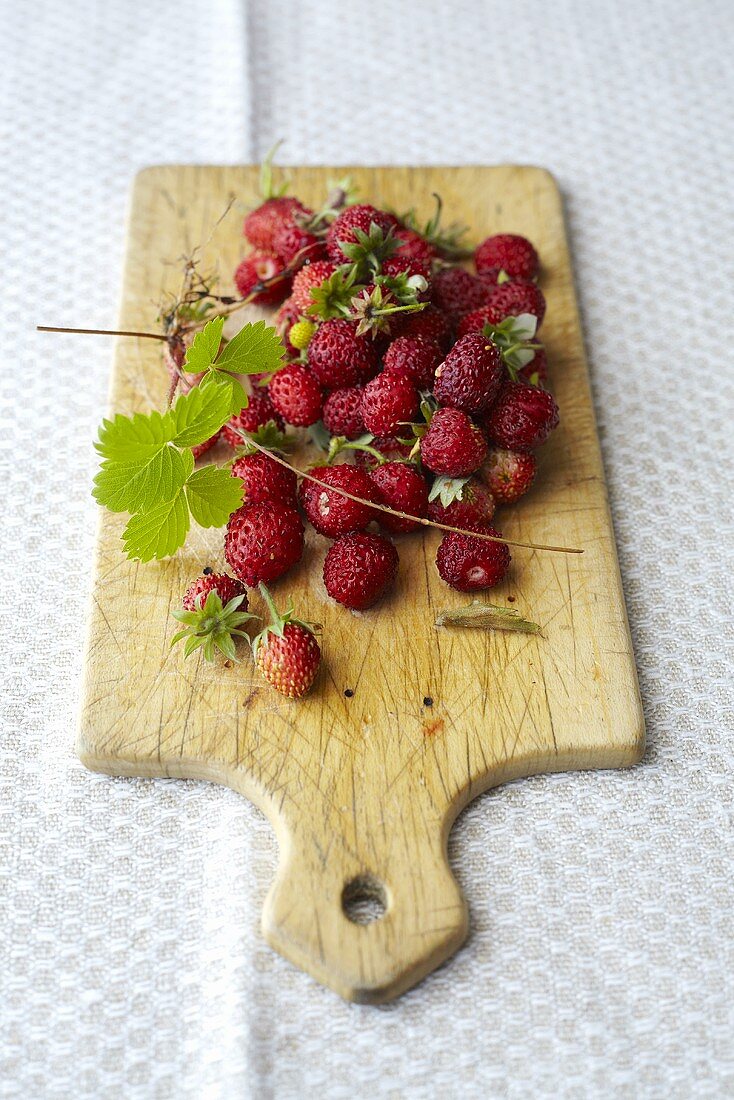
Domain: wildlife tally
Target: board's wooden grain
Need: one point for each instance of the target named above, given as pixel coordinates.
(372, 783)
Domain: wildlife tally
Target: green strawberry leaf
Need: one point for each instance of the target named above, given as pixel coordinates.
(159, 532)
(203, 350)
(138, 486)
(200, 413)
(134, 438)
(256, 349)
(232, 391)
(213, 495)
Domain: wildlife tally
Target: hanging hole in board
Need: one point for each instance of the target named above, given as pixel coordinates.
(364, 899)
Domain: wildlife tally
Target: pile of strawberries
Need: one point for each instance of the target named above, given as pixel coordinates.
(423, 383)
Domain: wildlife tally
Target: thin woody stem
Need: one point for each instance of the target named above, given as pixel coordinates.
(402, 515)
(102, 332)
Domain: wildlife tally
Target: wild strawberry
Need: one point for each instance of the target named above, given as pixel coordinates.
(523, 417)
(415, 356)
(263, 541)
(295, 245)
(414, 245)
(200, 449)
(296, 395)
(399, 486)
(265, 479)
(509, 253)
(260, 411)
(225, 586)
(508, 474)
(260, 268)
(508, 300)
(262, 223)
(471, 375)
(330, 512)
(338, 357)
(213, 616)
(389, 447)
(453, 445)
(401, 263)
(457, 291)
(458, 504)
(309, 276)
(300, 334)
(342, 413)
(389, 401)
(431, 323)
(359, 568)
(470, 564)
(536, 371)
(361, 216)
(286, 651)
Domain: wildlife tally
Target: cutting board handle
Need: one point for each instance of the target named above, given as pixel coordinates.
(369, 924)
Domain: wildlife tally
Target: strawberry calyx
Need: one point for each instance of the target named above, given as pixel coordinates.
(212, 626)
(372, 311)
(332, 298)
(279, 620)
(368, 250)
(448, 489)
(514, 338)
(340, 443)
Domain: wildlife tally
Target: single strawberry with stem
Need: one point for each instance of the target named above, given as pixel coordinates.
(460, 502)
(225, 586)
(508, 474)
(286, 651)
(304, 281)
(360, 217)
(263, 541)
(211, 624)
(359, 569)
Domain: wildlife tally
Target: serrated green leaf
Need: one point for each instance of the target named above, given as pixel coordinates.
(237, 398)
(213, 495)
(159, 532)
(134, 438)
(139, 486)
(255, 349)
(202, 352)
(200, 413)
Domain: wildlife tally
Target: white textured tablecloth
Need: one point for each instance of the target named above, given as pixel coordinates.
(601, 957)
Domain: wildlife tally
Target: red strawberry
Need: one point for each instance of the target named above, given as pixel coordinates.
(401, 263)
(342, 414)
(200, 449)
(359, 568)
(509, 474)
(266, 479)
(388, 446)
(414, 356)
(286, 651)
(471, 505)
(536, 371)
(431, 323)
(389, 401)
(470, 564)
(453, 445)
(225, 586)
(263, 541)
(399, 486)
(471, 375)
(330, 512)
(509, 253)
(261, 267)
(338, 357)
(295, 245)
(259, 412)
(416, 247)
(261, 224)
(296, 395)
(523, 417)
(361, 216)
(457, 291)
(508, 300)
(309, 276)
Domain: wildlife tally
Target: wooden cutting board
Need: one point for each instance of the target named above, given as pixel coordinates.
(363, 778)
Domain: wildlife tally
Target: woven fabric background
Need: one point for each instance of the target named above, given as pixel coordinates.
(601, 957)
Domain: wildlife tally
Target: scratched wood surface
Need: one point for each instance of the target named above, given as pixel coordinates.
(362, 788)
